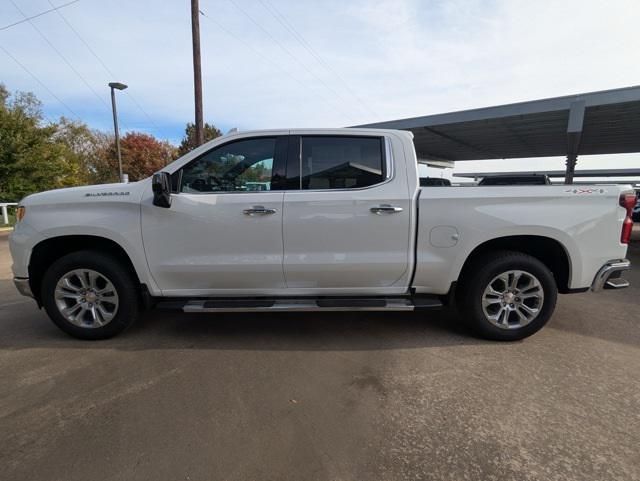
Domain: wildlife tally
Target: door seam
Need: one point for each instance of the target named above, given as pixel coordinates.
(284, 274)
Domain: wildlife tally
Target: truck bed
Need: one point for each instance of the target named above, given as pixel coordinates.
(453, 221)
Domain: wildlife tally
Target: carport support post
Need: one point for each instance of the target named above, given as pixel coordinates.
(574, 135)
(571, 168)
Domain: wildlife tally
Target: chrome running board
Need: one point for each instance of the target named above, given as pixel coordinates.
(294, 305)
(301, 305)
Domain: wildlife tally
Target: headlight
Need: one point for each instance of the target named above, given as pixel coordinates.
(20, 212)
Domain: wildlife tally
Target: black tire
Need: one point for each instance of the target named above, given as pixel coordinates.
(120, 277)
(479, 275)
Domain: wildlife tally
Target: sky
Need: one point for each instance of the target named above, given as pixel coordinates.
(288, 63)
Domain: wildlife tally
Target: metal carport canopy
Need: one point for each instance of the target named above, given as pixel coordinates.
(604, 122)
(556, 173)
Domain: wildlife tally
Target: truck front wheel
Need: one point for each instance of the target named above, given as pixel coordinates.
(508, 297)
(90, 295)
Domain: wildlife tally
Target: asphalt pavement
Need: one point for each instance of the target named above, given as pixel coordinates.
(299, 396)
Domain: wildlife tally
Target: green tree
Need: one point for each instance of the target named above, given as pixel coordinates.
(84, 146)
(100, 160)
(32, 159)
(188, 142)
(35, 156)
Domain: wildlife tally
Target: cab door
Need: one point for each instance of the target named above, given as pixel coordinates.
(222, 234)
(347, 216)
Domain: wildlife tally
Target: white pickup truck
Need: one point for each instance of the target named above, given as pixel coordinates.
(315, 220)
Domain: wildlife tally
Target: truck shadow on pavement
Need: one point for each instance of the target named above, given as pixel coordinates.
(23, 326)
(610, 316)
(340, 331)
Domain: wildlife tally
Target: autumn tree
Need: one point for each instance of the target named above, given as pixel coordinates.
(142, 155)
(189, 143)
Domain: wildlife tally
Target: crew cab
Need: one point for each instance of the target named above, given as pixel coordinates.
(315, 220)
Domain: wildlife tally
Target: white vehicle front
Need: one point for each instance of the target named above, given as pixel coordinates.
(325, 219)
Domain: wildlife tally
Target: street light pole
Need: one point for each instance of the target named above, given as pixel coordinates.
(119, 86)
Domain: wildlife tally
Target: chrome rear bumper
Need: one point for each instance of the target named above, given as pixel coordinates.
(609, 275)
(22, 284)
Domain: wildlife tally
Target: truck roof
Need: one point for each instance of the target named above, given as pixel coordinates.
(321, 130)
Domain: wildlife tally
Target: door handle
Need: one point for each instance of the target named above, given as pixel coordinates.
(385, 209)
(258, 210)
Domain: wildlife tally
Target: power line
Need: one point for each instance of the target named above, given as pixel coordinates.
(247, 45)
(104, 66)
(275, 13)
(38, 15)
(64, 19)
(258, 53)
(286, 50)
(40, 82)
(144, 112)
(62, 57)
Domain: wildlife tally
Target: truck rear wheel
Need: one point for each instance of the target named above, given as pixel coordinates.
(508, 297)
(90, 295)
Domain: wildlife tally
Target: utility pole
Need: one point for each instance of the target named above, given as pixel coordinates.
(197, 70)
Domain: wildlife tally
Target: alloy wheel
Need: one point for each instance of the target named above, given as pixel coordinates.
(512, 299)
(86, 298)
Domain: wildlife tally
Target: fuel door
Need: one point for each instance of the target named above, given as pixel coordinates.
(444, 236)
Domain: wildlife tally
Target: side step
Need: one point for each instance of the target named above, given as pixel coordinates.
(617, 283)
(302, 305)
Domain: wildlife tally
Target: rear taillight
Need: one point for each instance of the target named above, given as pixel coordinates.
(628, 201)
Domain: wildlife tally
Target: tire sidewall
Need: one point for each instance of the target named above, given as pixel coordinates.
(110, 268)
(472, 306)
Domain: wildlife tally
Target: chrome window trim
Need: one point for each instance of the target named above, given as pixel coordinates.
(390, 172)
(234, 192)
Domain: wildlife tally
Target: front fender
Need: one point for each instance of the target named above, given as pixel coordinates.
(115, 221)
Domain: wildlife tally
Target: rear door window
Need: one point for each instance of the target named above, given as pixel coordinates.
(341, 162)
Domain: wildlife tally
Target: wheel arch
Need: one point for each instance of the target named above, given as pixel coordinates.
(547, 250)
(49, 250)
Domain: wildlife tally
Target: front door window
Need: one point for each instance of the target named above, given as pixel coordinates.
(242, 166)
